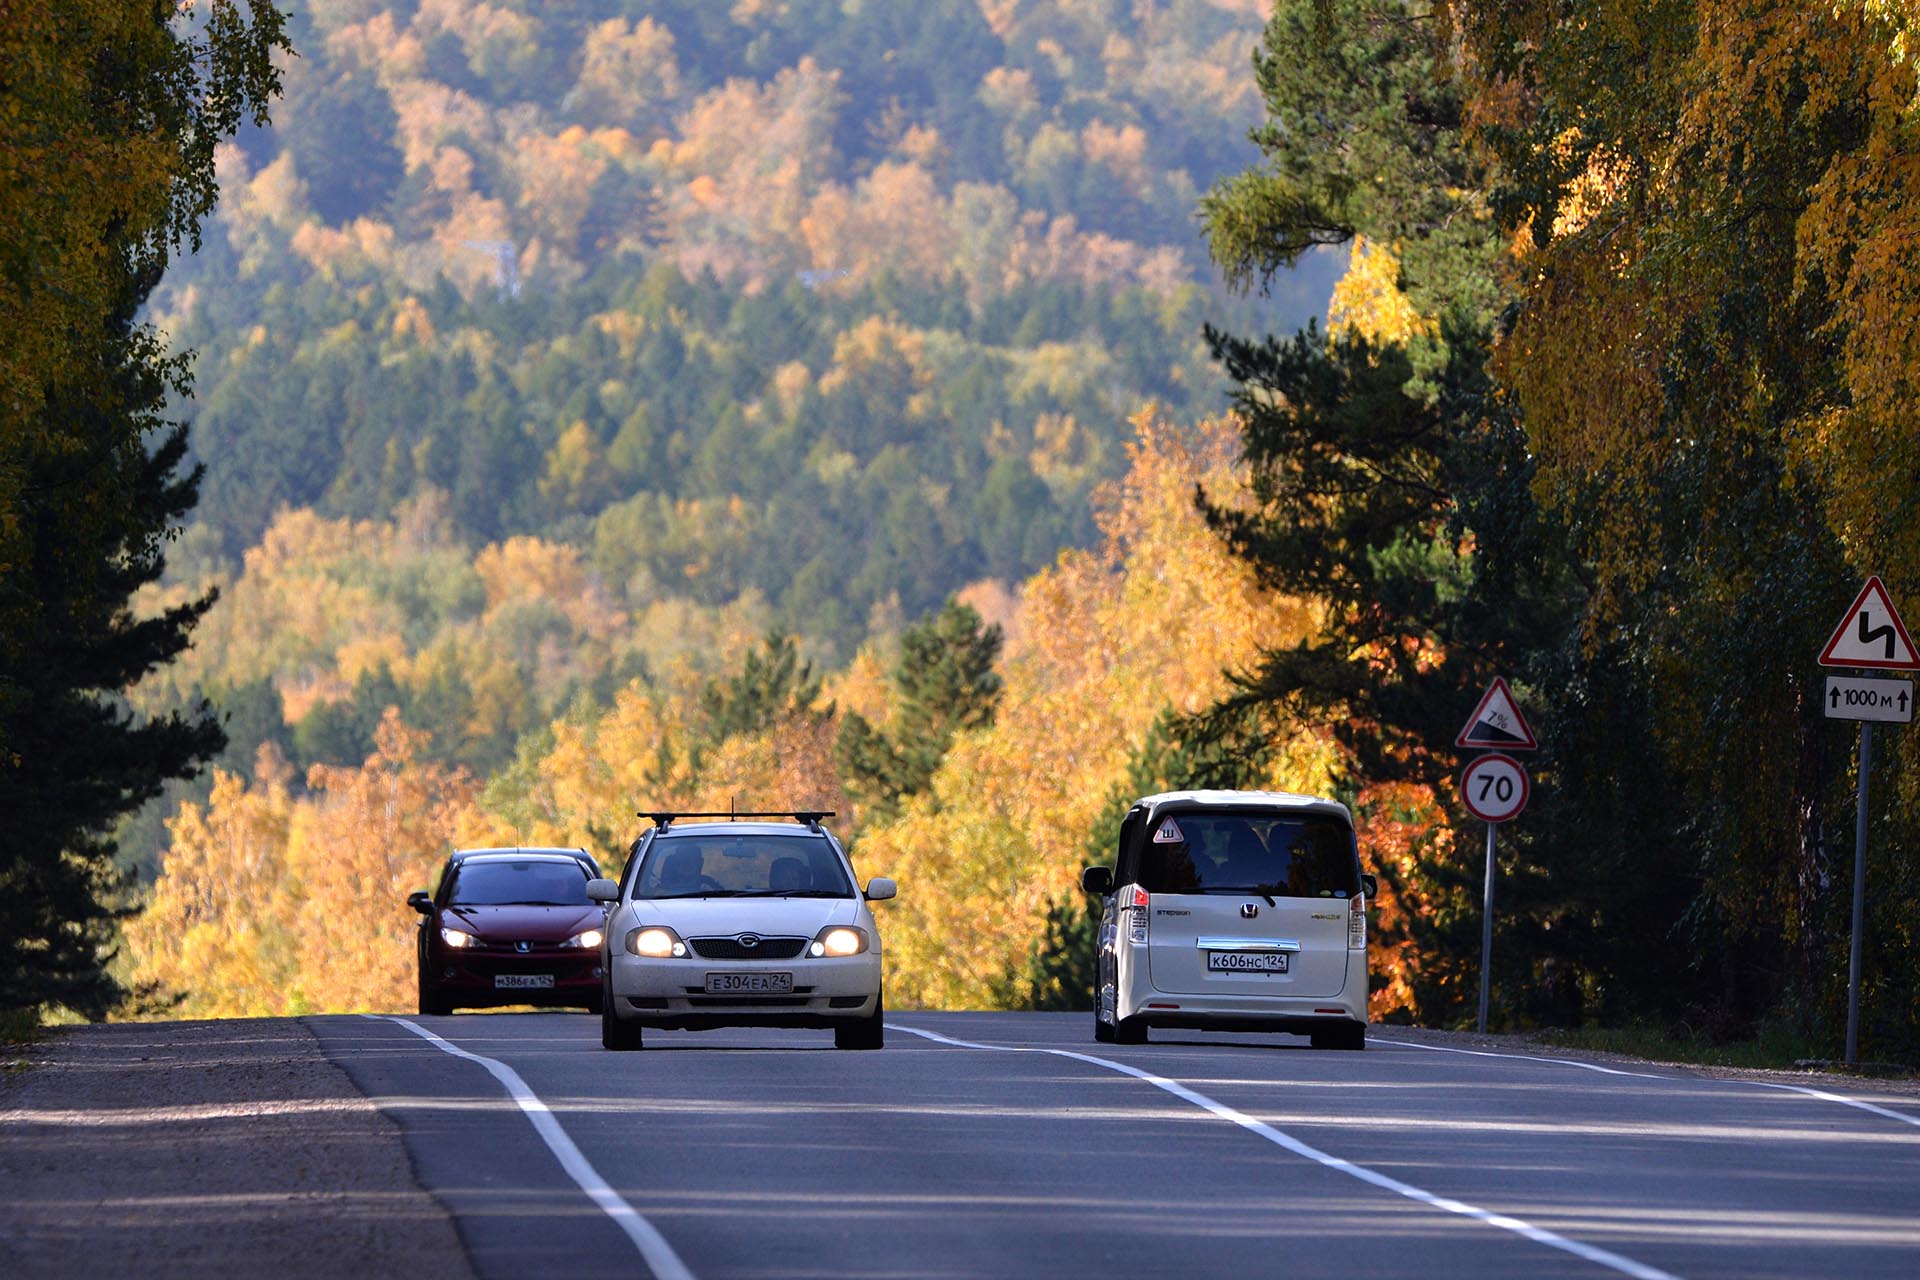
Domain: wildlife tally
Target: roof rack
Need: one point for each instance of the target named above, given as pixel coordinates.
(664, 818)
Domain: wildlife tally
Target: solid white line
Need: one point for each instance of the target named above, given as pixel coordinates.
(1821, 1094)
(1286, 1141)
(653, 1246)
(1558, 1062)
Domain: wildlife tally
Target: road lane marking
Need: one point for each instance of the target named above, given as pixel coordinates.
(1526, 1057)
(1285, 1141)
(1820, 1094)
(653, 1246)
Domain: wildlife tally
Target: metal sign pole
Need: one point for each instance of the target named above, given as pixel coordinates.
(1859, 894)
(1486, 932)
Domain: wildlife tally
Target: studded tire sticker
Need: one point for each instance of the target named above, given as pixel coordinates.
(1169, 833)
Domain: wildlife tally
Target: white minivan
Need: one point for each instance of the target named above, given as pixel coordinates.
(1234, 910)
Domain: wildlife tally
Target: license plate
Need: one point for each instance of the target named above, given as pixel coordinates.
(749, 984)
(517, 981)
(1247, 961)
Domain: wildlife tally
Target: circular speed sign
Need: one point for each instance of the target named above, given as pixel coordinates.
(1495, 787)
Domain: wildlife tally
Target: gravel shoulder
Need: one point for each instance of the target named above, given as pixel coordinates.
(194, 1149)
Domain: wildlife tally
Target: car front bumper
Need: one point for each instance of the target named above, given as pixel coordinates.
(673, 992)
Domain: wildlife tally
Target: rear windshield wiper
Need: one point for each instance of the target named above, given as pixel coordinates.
(1264, 890)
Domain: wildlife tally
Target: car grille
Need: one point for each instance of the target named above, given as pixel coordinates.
(730, 948)
(768, 1002)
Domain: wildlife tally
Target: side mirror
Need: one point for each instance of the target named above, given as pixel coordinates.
(420, 902)
(1097, 880)
(604, 890)
(879, 889)
(1369, 885)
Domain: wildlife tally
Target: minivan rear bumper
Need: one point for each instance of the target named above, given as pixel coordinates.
(1138, 998)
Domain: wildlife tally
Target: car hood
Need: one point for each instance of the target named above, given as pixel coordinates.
(774, 917)
(523, 923)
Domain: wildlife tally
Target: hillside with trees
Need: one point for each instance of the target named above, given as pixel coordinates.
(541, 348)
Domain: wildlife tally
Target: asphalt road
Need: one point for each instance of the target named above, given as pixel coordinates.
(769, 1154)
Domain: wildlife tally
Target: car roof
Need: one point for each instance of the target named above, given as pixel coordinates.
(1281, 800)
(738, 829)
(522, 852)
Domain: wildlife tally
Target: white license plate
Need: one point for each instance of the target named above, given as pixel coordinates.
(519, 981)
(1247, 961)
(749, 984)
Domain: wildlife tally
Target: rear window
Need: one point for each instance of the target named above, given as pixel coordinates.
(742, 865)
(1303, 856)
(526, 882)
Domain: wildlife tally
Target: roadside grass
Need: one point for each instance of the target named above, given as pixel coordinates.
(18, 1029)
(1777, 1047)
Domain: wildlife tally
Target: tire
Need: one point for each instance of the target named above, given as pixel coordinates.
(868, 1033)
(1351, 1036)
(1102, 1033)
(432, 1003)
(621, 1037)
(1130, 1031)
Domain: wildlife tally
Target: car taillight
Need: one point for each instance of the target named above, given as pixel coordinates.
(1357, 923)
(1137, 927)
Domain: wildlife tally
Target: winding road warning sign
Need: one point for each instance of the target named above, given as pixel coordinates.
(1497, 723)
(1871, 634)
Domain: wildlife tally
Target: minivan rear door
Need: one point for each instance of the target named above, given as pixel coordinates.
(1249, 902)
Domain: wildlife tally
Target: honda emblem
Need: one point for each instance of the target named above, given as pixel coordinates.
(1248, 910)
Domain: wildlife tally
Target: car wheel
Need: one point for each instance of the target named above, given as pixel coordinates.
(1130, 1031)
(615, 1034)
(1102, 1032)
(1351, 1036)
(432, 1003)
(868, 1033)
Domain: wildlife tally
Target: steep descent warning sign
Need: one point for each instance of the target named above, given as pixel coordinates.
(1497, 722)
(1871, 634)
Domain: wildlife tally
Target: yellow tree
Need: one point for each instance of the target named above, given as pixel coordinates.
(369, 837)
(1153, 617)
(218, 931)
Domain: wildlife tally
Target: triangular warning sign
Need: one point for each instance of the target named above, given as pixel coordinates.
(1497, 722)
(1168, 833)
(1871, 634)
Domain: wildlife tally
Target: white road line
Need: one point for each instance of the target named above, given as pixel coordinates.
(1286, 1141)
(1840, 1098)
(653, 1246)
(1820, 1094)
(1523, 1057)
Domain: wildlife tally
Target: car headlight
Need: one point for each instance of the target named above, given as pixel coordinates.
(655, 940)
(590, 938)
(457, 938)
(839, 940)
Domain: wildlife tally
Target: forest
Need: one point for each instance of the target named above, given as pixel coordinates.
(970, 416)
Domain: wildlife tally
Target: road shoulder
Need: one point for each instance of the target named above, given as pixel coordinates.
(191, 1149)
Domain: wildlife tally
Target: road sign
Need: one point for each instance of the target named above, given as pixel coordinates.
(1497, 723)
(1857, 698)
(1495, 787)
(1871, 634)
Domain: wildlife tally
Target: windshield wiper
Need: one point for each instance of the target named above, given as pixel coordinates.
(1264, 890)
(698, 893)
(790, 893)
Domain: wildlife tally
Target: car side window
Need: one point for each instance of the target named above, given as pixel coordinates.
(1125, 861)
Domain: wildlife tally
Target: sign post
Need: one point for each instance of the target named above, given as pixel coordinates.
(1870, 635)
(1495, 788)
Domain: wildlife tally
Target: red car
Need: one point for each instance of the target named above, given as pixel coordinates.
(510, 926)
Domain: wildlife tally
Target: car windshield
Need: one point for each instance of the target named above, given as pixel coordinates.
(522, 882)
(1307, 856)
(742, 865)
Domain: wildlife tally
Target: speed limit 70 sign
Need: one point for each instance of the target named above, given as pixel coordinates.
(1495, 787)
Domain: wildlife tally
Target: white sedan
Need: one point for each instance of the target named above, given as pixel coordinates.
(740, 923)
